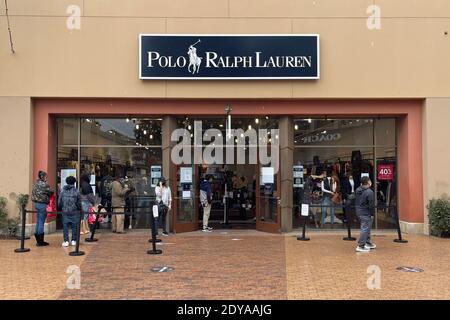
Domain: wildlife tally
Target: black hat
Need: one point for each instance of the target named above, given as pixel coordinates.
(163, 180)
(71, 180)
(41, 174)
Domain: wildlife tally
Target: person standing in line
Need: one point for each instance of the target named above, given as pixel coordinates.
(118, 194)
(87, 201)
(69, 202)
(40, 195)
(164, 201)
(205, 200)
(365, 209)
(105, 192)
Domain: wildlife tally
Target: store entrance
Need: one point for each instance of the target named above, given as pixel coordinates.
(234, 195)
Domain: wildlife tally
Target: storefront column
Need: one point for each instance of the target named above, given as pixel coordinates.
(169, 124)
(16, 124)
(410, 186)
(286, 127)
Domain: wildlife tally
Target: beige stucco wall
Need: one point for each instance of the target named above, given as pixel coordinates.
(408, 57)
(15, 160)
(436, 155)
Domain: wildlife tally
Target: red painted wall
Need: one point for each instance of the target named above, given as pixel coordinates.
(408, 112)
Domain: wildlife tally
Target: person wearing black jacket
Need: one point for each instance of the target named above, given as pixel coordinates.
(87, 200)
(365, 208)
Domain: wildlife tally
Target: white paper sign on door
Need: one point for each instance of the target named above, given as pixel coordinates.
(267, 175)
(186, 175)
(155, 175)
(67, 173)
(305, 209)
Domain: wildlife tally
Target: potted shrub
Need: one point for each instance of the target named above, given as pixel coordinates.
(8, 226)
(439, 216)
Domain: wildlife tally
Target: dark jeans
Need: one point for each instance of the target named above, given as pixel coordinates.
(162, 217)
(366, 225)
(41, 215)
(71, 219)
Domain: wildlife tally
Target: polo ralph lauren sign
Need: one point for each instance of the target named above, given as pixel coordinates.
(290, 56)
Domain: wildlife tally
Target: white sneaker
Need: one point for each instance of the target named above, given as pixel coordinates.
(209, 228)
(65, 244)
(370, 245)
(74, 243)
(206, 230)
(362, 249)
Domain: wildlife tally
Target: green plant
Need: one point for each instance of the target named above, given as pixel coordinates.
(439, 216)
(8, 226)
(22, 200)
(3, 214)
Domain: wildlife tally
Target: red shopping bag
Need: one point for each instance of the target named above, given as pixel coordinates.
(51, 207)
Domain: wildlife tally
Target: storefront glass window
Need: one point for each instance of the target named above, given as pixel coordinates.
(67, 131)
(335, 160)
(120, 131)
(130, 148)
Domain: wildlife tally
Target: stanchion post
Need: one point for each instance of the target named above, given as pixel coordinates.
(77, 251)
(349, 231)
(399, 232)
(154, 250)
(22, 238)
(303, 237)
(154, 228)
(91, 238)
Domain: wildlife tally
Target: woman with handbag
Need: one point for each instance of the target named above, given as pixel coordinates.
(87, 202)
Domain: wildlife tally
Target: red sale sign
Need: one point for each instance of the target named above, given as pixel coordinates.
(385, 171)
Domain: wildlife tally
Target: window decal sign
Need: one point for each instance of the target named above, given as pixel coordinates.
(228, 57)
(385, 171)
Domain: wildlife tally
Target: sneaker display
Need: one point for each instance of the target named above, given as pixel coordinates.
(74, 243)
(370, 245)
(65, 244)
(362, 249)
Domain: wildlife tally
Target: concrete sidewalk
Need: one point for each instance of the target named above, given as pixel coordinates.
(227, 265)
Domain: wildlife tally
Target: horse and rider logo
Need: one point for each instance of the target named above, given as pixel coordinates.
(194, 60)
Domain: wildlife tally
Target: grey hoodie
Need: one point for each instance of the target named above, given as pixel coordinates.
(364, 203)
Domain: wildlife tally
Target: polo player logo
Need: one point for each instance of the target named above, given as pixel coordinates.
(194, 60)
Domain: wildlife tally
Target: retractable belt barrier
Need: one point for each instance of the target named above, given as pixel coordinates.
(77, 251)
(349, 234)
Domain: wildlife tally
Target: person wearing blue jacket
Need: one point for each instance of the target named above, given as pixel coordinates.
(205, 200)
(69, 202)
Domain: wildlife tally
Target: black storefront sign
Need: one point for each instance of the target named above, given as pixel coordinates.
(229, 57)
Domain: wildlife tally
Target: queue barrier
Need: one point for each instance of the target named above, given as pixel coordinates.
(77, 251)
(349, 234)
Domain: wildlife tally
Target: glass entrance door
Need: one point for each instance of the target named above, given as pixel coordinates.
(268, 200)
(186, 199)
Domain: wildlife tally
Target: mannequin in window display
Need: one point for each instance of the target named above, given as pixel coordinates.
(348, 196)
(329, 188)
(309, 197)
